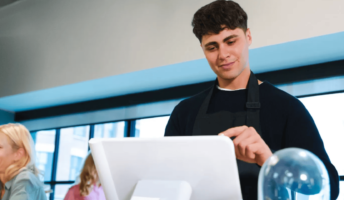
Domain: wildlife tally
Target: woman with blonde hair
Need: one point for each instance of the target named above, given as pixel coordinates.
(89, 186)
(18, 173)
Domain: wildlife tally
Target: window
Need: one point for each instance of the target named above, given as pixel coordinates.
(71, 145)
(44, 162)
(327, 112)
(44, 146)
(65, 155)
(80, 131)
(110, 130)
(75, 167)
(151, 127)
(47, 190)
(341, 190)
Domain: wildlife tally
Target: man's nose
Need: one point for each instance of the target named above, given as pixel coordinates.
(223, 53)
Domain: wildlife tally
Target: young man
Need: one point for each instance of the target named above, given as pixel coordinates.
(261, 118)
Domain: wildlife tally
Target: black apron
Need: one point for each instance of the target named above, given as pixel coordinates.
(215, 123)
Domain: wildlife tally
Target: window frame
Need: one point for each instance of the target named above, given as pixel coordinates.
(129, 132)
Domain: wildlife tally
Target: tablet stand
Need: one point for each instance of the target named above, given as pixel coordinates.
(162, 190)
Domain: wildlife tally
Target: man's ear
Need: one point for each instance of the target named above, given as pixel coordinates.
(248, 36)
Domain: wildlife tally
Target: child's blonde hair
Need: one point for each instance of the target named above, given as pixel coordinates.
(88, 176)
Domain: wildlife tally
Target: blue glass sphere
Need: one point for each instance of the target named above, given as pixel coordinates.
(291, 174)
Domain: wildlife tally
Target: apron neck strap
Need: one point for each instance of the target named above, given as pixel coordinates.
(253, 104)
(204, 107)
(252, 96)
(252, 93)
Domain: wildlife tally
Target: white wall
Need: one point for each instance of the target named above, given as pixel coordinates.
(45, 44)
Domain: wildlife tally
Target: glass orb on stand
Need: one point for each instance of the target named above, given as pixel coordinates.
(293, 174)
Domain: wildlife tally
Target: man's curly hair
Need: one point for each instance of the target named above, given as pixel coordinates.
(220, 14)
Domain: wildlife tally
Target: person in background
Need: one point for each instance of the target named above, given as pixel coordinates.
(89, 186)
(18, 173)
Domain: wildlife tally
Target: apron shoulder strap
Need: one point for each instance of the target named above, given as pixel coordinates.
(253, 103)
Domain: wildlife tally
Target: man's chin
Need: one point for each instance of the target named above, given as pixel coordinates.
(228, 76)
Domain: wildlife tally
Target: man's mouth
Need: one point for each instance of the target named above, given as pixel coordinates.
(227, 65)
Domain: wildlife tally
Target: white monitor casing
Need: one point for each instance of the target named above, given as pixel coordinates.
(207, 163)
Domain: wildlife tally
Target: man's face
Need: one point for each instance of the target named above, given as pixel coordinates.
(227, 52)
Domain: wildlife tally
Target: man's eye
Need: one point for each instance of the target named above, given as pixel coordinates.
(211, 48)
(230, 42)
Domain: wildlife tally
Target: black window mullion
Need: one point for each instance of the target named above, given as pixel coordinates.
(127, 128)
(92, 131)
(91, 135)
(131, 128)
(54, 167)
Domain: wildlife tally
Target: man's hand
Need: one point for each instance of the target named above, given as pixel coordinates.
(249, 146)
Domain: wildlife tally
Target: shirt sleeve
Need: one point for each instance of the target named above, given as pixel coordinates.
(302, 132)
(70, 194)
(25, 190)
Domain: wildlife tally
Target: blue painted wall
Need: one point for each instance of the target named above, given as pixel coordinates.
(6, 117)
(270, 58)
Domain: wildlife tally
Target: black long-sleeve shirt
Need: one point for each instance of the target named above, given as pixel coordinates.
(285, 122)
